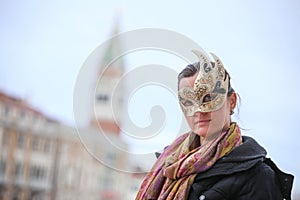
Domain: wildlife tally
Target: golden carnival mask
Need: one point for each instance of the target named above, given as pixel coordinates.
(210, 87)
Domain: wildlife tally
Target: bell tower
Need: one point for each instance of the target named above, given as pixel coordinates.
(108, 94)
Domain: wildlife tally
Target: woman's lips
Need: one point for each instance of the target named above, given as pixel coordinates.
(202, 122)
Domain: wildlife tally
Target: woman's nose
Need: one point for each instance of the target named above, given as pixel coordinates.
(199, 114)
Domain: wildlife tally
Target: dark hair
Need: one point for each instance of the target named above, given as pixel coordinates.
(192, 69)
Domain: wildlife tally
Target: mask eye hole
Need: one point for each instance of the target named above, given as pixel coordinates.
(209, 97)
(187, 103)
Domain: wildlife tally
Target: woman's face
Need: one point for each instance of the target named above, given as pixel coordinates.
(209, 124)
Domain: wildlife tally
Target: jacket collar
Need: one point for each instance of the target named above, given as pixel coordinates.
(248, 150)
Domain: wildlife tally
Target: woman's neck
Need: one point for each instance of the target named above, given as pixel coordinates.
(205, 140)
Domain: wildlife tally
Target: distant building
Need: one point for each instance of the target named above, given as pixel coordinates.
(41, 158)
(27, 151)
(136, 180)
(80, 173)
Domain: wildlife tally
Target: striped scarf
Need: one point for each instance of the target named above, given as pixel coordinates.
(175, 170)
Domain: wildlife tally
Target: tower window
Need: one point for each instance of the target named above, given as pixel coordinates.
(102, 97)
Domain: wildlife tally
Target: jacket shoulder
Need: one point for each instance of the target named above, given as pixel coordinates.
(285, 180)
(258, 182)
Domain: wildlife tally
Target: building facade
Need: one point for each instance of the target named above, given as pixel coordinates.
(27, 151)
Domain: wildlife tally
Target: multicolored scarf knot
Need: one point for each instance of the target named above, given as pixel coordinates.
(176, 168)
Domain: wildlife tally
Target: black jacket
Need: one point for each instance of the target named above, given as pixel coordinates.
(243, 174)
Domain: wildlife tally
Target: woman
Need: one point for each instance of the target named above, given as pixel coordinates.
(213, 160)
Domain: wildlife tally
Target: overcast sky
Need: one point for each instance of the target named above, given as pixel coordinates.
(44, 45)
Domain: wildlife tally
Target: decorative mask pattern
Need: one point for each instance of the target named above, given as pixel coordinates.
(210, 87)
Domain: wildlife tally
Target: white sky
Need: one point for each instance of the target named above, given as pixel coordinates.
(43, 46)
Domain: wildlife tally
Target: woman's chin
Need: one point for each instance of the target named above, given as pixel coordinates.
(206, 133)
(201, 132)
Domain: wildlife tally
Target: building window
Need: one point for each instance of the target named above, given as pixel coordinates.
(2, 167)
(34, 172)
(47, 146)
(6, 111)
(21, 141)
(18, 170)
(35, 143)
(13, 112)
(22, 114)
(37, 173)
(5, 138)
(35, 122)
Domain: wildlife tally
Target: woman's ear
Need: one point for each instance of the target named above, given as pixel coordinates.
(233, 99)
